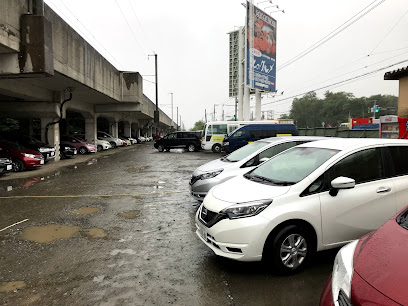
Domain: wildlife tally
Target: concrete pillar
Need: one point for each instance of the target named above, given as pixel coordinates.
(403, 98)
(258, 105)
(247, 104)
(150, 133)
(127, 129)
(114, 129)
(241, 74)
(90, 130)
(53, 134)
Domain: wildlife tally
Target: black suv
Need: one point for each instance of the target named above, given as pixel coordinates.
(190, 140)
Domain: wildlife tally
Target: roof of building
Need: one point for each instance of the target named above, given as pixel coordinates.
(396, 74)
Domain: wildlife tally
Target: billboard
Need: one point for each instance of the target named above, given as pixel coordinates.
(233, 63)
(260, 49)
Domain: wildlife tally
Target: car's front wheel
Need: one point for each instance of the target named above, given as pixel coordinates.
(99, 148)
(18, 165)
(113, 144)
(83, 150)
(160, 148)
(290, 250)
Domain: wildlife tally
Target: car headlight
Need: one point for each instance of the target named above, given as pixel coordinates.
(67, 148)
(343, 271)
(29, 155)
(210, 174)
(42, 150)
(243, 210)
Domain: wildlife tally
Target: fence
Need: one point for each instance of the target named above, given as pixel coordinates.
(335, 132)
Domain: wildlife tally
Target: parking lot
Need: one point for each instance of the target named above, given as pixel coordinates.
(118, 229)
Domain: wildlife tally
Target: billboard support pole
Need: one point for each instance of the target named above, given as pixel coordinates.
(241, 75)
(258, 104)
(247, 106)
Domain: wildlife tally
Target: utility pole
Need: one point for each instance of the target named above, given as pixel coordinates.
(177, 120)
(171, 108)
(214, 113)
(236, 105)
(156, 113)
(222, 112)
(205, 112)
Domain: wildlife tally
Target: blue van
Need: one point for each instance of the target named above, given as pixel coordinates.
(253, 132)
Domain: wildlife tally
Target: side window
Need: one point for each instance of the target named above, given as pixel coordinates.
(399, 157)
(363, 166)
(172, 136)
(237, 134)
(180, 135)
(252, 162)
(232, 127)
(272, 151)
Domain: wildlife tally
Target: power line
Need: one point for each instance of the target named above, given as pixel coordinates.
(340, 82)
(332, 34)
(133, 33)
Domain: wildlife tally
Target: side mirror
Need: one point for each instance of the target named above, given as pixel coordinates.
(263, 159)
(341, 183)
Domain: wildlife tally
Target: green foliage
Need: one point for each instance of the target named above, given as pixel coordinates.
(335, 108)
(199, 125)
(284, 116)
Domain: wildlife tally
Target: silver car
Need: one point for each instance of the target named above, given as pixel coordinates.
(241, 161)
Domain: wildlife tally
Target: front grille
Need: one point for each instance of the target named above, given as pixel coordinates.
(209, 218)
(343, 299)
(194, 179)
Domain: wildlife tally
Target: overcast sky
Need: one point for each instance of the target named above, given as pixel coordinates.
(190, 38)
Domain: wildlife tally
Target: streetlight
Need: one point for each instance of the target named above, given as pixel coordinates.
(170, 93)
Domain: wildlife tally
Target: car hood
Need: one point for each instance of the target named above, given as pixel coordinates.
(28, 151)
(240, 190)
(212, 166)
(382, 260)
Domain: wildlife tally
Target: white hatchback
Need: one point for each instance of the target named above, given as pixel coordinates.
(312, 197)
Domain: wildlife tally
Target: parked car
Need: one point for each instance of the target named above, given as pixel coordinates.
(30, 142)
(81, 145)
(101, 145)
(240, 161)
(372, 270)
(312, 197)
(126, 141)
(253, 132)
(187, 140)
(131, 139)
(6, 164)
(114, 141)
(21, 157)
(155, 137)
(67, 151)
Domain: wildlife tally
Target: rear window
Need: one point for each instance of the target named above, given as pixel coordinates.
(399, 157)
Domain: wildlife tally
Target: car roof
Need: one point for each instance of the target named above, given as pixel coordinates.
(350, 143)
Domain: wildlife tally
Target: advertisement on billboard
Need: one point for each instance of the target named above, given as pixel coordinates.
(260, 49)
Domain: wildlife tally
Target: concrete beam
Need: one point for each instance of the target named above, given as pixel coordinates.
(29, 110)
(118, 107)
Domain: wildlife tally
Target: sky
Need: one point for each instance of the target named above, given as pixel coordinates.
(191, 41)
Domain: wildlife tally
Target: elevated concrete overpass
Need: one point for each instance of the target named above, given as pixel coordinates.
(44, 64)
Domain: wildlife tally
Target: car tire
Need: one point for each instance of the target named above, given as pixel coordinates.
(191, 147)
(290, 250)
(18, 165)
(160, 148)
(82, 150)
(216, 148)
(99, 148)
(113, 144)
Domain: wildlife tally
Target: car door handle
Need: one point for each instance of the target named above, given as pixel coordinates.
(383, 189)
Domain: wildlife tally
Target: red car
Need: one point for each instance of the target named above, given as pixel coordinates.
(78, 143)
(372, 270)
(22, 158)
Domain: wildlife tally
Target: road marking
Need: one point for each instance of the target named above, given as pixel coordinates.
(13, 225)
(95, 195)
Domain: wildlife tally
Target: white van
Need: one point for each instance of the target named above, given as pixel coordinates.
(215, 131)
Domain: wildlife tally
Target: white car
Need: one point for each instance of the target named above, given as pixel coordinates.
(316, 196)
(240, 161)
(114, 141)
(102, 145)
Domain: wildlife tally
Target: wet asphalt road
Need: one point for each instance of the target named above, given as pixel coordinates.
(126, 236)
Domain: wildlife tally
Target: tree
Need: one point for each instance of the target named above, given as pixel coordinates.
(284, 116)
(199, 125)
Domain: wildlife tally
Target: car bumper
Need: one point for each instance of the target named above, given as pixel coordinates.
(326, 299)
(6, 168)
(200, 188)
(33, 162)
(239, 239)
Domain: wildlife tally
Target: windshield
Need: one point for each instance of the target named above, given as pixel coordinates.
(402, 219)
(245, 151)
(292, 166)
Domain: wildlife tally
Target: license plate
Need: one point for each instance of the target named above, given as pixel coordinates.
(9, 167)
(42, 162)
(75, 152)
(52, 153)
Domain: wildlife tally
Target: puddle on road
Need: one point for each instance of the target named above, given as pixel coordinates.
(52, 232)
(30, 182)
(12, 286)
(49, 233)
(131, 214)
(87, 210)
(92, 161)
(95, 233)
